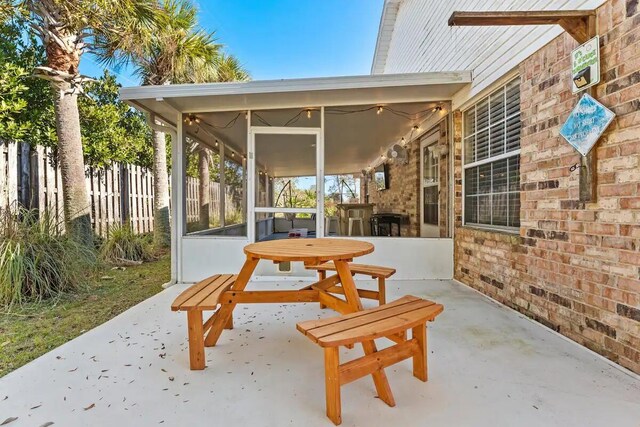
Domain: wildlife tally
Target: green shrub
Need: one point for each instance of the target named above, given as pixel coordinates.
(123, 246)
(36, 260)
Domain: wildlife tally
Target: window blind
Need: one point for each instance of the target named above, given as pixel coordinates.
(492, 159)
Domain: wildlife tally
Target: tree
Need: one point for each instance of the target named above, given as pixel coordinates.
(177, 50)
(68, 29)
(27, 103)
(12, 101)
(112, 131)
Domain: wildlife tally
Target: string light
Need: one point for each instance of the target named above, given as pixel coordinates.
(308, 114)
(437, 108)
(379, 110)
(416, 127)
(216, 142)
(191, 119)
(402, 141)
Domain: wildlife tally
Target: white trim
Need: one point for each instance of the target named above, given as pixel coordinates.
(293, 85)
(250, 178)
(494, 228)
(507, 155)
(385, 32)
(320, 177)
(285, 210)
(457, 104)
(178, 217)
(451, 185)
(427, 141)
(281, 130)
(492, 159)
(223, 185)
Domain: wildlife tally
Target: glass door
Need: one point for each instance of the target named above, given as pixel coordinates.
(287, 200)
(430, 187)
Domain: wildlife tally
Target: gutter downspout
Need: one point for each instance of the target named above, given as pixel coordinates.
(151, 122)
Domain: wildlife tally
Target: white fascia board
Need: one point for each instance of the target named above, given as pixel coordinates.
(385, 31)
(294, 85)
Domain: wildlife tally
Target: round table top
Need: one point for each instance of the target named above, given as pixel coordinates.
(309, 250)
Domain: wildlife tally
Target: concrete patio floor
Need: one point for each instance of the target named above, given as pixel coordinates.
(488, 366)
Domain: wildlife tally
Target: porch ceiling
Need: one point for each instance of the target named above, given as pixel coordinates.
(352, 141)
(354, 136)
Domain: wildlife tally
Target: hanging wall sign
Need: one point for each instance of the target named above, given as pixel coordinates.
(585, 65)
(586, 123)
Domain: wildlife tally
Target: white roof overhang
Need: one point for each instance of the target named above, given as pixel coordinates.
(296, 93)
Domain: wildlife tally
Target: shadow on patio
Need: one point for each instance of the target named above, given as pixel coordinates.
(487, 366)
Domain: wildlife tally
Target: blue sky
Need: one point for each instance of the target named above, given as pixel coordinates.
(277, 39)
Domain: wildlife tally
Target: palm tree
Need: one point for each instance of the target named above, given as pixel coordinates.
(68, 29)
(177, 50)
(228, 69)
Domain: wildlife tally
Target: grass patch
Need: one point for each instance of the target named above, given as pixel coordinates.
(30, 330)
(36, 261)
(123, 246)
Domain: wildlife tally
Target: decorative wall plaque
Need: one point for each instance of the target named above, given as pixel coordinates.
(586, 123)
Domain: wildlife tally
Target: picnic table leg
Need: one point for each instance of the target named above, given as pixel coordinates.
(226, 309)
(196, 340)
(229, 324)
(332, 384)
(321, 276)
(369, 347)
(382, 291)
(420, 358)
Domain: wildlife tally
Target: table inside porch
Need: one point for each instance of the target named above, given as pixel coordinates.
(308, 251)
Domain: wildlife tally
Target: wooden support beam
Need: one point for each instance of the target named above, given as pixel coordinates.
(579, 24)
(366, 365)
(335, 303)
(587, 181)
(364, 293)
(250, 297)
(326, 283)
(574, 22)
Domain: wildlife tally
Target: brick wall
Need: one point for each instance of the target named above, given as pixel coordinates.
(403, 195)
(575, 268)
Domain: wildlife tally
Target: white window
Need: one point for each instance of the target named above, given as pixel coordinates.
(492, 159)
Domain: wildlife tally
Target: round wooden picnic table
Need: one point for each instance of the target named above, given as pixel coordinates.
(308, 251)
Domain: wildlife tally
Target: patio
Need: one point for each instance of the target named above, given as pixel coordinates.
(487, 366)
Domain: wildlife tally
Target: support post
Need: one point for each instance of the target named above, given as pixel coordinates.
(419, 333)
(332, 384)
(196, 340)
(223, 186)
(588, 163)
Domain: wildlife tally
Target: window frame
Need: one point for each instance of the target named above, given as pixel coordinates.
(489, 159)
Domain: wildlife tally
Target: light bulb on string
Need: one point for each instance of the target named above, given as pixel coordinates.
(379, 110)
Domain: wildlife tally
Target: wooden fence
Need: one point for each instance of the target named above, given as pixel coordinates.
(30, 177)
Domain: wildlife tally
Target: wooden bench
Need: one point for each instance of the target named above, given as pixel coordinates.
(388, 320)
(204, 295)
(376, 272)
